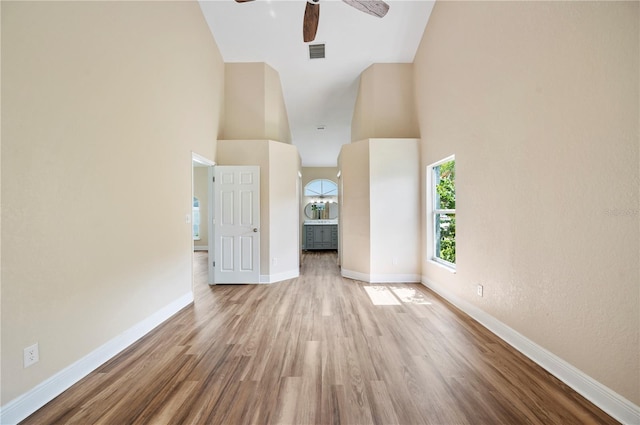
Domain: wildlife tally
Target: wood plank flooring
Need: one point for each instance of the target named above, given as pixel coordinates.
(317, 350)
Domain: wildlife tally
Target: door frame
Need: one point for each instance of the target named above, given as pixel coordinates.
(206, 162)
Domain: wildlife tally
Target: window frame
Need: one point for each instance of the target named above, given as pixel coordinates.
(433, 212)
(323, 193)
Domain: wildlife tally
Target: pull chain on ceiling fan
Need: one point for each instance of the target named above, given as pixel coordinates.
(376, 8)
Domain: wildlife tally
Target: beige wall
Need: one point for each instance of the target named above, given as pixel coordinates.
(244, 101)
(276, 119)
(103, 103)
(394, 186)
(539, 103)
(254, 104)
(385, 106)
(278, 225)
(201, 191)
(381, 212)
(284, 251)
(354, 227)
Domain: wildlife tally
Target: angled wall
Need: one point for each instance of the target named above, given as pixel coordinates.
(284, 199)
(254, 104)
(379, 210)
(244, 101)
(275, 110)
(385, 106)
(354, 222)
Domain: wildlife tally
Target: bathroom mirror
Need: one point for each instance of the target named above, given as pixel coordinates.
(321, 210)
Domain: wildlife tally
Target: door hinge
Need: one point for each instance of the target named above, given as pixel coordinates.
(214, 179)
(214, 264)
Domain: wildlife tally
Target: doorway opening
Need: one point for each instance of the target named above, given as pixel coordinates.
(201, 208)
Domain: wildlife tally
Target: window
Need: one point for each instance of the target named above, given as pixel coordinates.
(443, 196)
(321, 188)
(196, 219)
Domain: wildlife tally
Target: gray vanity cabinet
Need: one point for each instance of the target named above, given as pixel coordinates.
(320, 236)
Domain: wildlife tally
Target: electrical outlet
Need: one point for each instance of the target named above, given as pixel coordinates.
(31, 355)
(274, 261)
(479, 290)
(395, 261)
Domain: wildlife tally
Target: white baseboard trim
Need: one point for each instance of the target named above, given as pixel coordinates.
(395, 278)
(200, 248)
(350, 274)
(279, 277)
(23, 406)
(606, 399)
(381, 278)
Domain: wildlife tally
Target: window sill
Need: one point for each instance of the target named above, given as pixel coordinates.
(443, 266)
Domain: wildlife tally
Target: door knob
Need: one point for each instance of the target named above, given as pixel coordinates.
(255, 230)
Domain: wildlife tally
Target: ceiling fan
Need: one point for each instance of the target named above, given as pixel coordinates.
(312, 13)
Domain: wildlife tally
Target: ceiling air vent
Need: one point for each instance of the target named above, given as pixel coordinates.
(316, 51)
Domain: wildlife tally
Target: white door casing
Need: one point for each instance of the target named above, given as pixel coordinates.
(211, 224)
(236, 224)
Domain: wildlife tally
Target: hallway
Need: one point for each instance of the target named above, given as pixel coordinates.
(319, 349)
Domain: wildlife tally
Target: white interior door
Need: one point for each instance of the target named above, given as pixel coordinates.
(236, 224)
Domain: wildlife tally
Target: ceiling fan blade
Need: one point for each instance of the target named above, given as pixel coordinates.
(372, 7)
(310, 23)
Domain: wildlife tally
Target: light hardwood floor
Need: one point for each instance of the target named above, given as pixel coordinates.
(317, 350)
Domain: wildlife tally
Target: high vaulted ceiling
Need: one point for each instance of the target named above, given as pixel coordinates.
(317, 92)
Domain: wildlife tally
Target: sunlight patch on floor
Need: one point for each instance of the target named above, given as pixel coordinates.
(395, 295)
(410, 295)
(381, 295)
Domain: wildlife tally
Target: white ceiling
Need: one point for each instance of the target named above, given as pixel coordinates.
(319, 91)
